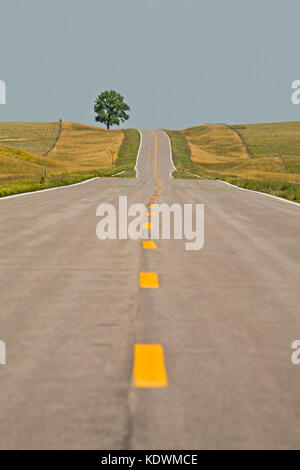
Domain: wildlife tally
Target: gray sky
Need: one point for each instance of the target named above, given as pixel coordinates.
(177, 62)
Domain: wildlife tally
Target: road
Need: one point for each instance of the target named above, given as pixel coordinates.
(72, 311)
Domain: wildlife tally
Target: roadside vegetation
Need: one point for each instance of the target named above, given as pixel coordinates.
(181, 154)
(8, 188)
(128, 151)
(255, 157)
(80, 153)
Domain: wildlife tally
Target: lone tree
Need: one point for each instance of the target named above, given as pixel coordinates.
(110, 108)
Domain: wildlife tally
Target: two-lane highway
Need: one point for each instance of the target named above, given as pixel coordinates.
(72, 311)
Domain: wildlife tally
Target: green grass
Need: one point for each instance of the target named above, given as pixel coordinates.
(34, 184)
(128, 151)
(181, 154)
(285, 190)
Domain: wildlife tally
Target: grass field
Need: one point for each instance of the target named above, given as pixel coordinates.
(35, 137)
(81, 152)
(264, 157)
(129, 149)
(275, 138)
(82, 147)
(218, 152)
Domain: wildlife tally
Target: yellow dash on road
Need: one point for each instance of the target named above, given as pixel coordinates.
(149, 280)
(150, 206)
(151, 213)
(149, 245)
(147, 225)
(155, 154)
(149, 366)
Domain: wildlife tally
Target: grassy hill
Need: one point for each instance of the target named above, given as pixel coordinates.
(15, 163)
(281, 138)
(70, 153)
(264, 157)
(82, 147)
(35, 137)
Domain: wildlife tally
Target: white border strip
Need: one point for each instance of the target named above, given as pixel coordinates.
(49, 189)
(138, 155)
(171, 155)
(198, 176)
(120, 172)
(260, 192)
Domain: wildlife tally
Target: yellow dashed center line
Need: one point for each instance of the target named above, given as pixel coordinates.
(149, 280)
(149, 366)
(149, 245)
(155, 154)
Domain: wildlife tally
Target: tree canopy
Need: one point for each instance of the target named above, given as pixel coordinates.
(110, 108)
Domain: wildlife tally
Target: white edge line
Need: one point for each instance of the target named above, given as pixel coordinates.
(138, 154)
(49, 189)
(171, 157)
(262, 193)
(198, 176)
(120, 172)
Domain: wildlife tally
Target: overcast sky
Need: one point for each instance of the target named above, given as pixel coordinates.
(178, 63)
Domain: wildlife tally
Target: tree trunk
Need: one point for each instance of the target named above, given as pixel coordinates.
(107, 125)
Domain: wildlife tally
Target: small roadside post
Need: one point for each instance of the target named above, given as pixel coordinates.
(112, 152)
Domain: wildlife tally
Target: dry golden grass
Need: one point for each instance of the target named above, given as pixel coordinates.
(214, 144)
(83, 147)
(274, 138)
(35, 137)
(18, 164)
(218, 152)
(80, 148)
(217, 149)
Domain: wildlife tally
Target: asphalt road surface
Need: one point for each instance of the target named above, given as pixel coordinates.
(72, 311)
